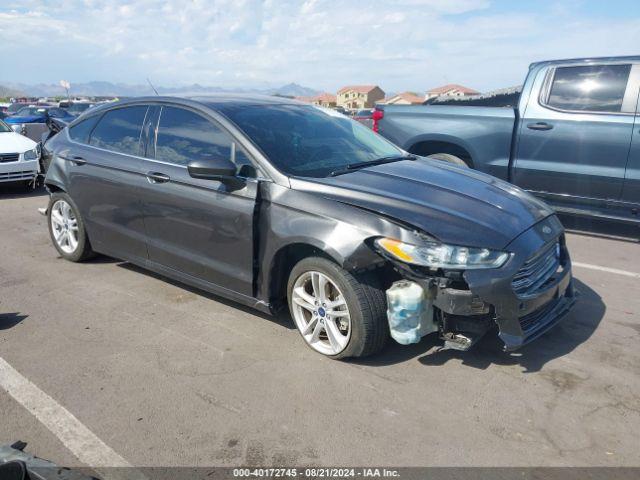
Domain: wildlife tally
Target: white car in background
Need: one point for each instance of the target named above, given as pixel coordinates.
(19, 157)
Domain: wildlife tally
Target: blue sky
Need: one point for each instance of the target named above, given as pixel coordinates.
(400, 45)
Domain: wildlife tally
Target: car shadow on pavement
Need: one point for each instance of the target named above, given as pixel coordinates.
(572, 331)
(282, 318)
(10, 320)
(9, 191)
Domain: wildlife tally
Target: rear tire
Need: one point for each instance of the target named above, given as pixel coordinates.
(362, 306)
(447, 157)
(66, 228)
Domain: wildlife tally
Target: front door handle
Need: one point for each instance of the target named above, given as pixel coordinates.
(78, 160)
(539, 126)
(157, 177)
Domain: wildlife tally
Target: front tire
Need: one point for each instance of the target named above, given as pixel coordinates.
(447, 157)
(66, 228)
(337, 314)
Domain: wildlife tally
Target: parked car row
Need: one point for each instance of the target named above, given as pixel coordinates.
(19, 157)
(35, 123)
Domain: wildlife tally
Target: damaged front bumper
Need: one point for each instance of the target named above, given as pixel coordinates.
(526, 297)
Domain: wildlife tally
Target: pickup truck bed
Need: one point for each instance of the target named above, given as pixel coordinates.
(482, 134)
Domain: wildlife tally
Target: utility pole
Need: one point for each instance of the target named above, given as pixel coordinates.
(66, 85)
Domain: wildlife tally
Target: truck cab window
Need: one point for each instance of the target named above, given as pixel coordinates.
(593, 88)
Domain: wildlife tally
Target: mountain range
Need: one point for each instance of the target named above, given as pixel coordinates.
(102, 88)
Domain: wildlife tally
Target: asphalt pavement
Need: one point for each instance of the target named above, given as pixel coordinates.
(160, 374)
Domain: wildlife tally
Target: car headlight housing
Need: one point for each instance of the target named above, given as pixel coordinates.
(440, 255)
(33, 154)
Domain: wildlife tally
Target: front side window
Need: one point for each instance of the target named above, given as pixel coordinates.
(119, 130)
(306, 140)
(184, 136)
(594, 88)
(4, 128)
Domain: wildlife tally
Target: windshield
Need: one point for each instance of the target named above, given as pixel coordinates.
(14, 107)
(308, 141)
(77, 108)
(29, 111)
(4, 127)
(57, 112)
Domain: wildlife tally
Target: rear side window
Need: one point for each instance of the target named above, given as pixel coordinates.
(596, 88)
(184, 136)
(80, 131)
(119, 130)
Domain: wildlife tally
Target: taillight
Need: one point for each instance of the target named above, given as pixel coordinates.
(377, 116)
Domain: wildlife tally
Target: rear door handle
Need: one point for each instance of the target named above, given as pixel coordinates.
(157, 177)
(539, 126)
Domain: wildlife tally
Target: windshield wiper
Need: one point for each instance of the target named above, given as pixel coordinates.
(378, 161)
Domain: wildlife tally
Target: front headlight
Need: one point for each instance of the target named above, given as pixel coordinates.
(440, 255)
(32, 154)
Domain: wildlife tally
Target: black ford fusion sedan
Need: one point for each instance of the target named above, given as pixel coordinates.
(274, 203)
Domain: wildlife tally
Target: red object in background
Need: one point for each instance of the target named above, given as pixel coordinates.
(377, 116)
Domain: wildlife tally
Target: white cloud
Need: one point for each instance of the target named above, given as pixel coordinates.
(408, 44)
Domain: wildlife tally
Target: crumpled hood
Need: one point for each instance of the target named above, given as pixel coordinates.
(455, 205)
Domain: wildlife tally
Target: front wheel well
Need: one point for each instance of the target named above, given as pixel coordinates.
(430, 147)
(53, 188)
(281, 265)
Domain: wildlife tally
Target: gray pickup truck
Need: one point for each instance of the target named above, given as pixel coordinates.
(571, 137)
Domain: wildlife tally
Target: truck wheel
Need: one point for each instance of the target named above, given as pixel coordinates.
(447, 157)
(337, 314)
(66, 228)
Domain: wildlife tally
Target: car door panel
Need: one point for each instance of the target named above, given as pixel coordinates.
(575, 154)
(201, 228)
(631, 189)
(104, 185)
(105, 190)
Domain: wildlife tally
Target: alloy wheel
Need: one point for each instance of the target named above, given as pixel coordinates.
(64, 226)
(321, 313)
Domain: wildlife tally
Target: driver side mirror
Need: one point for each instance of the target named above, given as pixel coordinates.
(220, 169)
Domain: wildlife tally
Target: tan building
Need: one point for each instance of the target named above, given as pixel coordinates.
(327, 100)
(451, 90)
(359, 96)
(404, 98)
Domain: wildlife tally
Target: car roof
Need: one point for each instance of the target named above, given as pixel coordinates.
(214, 102)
